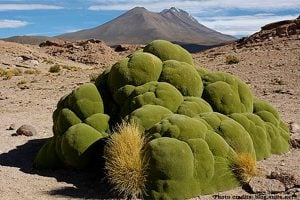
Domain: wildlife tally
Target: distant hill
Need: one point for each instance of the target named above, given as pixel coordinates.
(35, 40)
(140, 26)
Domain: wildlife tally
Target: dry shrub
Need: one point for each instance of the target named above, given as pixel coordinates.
(231, 59)
(55, 68)
(22, 82)
(9, 73)
(125, 162)
(32, 71)
(244, 166)
(71, 68)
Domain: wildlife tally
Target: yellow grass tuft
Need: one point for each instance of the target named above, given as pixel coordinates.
(125, 161)
(244, 166)
(9, 73)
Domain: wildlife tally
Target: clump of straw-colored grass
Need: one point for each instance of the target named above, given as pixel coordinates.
(244, 166)
(125, 161)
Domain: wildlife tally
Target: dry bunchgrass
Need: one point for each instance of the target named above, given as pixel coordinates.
(55, 68)
(244, 166)
(71, 68)
(22, 82)
(125, 162)
(231, 59)
(9, 73)
(32, 71)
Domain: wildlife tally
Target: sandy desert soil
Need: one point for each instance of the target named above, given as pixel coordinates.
(272, 70)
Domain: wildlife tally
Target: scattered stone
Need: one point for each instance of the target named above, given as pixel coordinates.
(294, 127)
(24, 87)
(287, 179)
(263, 185)
(24, 57)
(294, 192)
(32, 62)
(295, 143)
(120, 48)
(26, 130)
(11, 127)
(57, 43)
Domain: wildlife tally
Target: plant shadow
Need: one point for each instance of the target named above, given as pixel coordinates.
(88, 183)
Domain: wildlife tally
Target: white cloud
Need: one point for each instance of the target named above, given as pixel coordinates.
(241, 25)
(12, 23)
(197, 6)
(10, 7)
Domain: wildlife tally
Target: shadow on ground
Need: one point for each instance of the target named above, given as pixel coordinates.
(88, 183)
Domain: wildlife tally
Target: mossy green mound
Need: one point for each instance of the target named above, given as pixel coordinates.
(78, 123)
(183, 76)
(257, 130)
(232, 132)
(276, 129)
(153, 93)
(111, 108)
(185, 160)
(148, 115)
(138, 69)
(226, 93)
(193, 106)
(167, 51)
(197, 124)
(76, 142)
(47, 157)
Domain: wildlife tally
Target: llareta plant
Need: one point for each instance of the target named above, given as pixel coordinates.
(172, 130)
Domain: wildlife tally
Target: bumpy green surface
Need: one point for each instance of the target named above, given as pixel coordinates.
(83, 101)
(178, 126)
(226, 93)
(196, 122)
(183, 76)
(76, 142)
(257, 131)
(79, 122)
(202, 71)
(232, 132)
(47, 157)
(185, 160)
(138, 69)
(148, 115)
(193, 106)
(111, 108)
(154, 93)
(277, 131)
(167, 51)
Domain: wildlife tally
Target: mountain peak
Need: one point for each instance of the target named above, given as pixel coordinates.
(138, 9)
(177, 12)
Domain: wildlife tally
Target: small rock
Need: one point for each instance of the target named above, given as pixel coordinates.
(32, 62)
(26, 130)
(287, 179)
(293, 191)
(11, 127)
(263, 185)
(295, 143)
(294, 127)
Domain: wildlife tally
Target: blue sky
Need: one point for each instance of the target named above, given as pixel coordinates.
(53, 17)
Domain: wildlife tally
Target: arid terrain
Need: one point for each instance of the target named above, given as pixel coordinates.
(271, 68)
